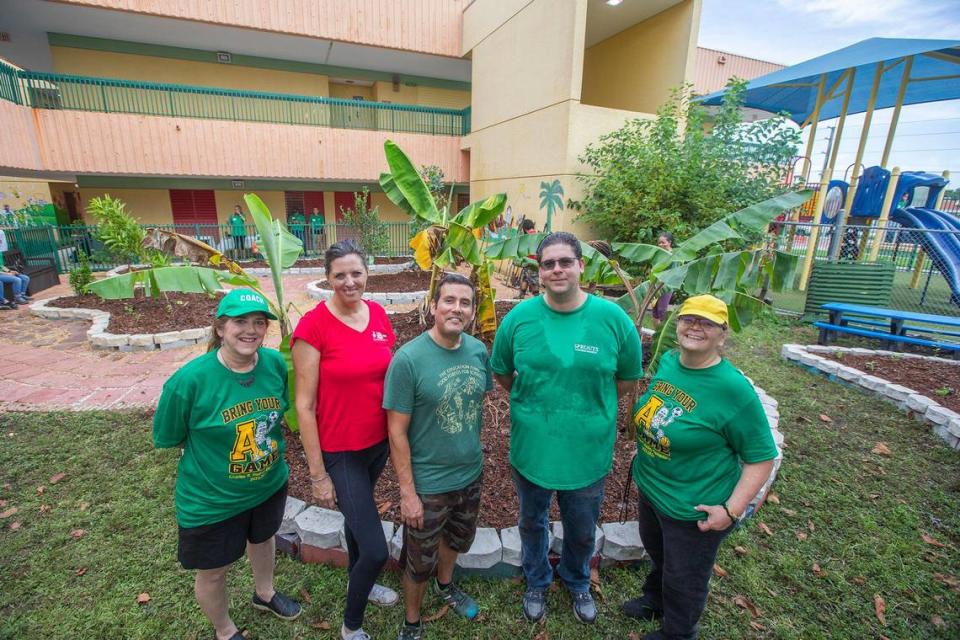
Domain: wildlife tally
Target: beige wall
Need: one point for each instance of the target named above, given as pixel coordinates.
(18, 192)
(125, 66)
(349, 91)
(636, 68)
(149, 206)
(429, 26)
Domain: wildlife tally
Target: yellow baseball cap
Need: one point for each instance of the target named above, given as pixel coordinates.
(705, 306)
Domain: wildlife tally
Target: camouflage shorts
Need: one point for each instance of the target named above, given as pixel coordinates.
(452, 515)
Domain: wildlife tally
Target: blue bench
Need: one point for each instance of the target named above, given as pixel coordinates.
(866, 321)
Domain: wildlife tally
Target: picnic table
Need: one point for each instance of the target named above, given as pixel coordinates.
(892, 326)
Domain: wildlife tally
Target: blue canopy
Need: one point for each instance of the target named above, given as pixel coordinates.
(935, 76)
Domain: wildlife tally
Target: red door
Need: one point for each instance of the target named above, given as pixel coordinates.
(312, 199)
(195, 213)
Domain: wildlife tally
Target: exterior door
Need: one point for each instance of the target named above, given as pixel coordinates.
(195, 214)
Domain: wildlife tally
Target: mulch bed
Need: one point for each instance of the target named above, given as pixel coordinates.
(402, 282)
(499, 505)
(308, 263)
(169, 312)
(938, 381)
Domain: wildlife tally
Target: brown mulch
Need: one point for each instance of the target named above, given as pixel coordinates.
(939, 381)
(499, 504)
(308, 263)
(402, 282)
(169, 312)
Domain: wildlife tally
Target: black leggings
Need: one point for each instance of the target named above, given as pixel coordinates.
(354, 474)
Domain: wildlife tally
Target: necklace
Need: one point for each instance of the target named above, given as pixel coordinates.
(245, 378)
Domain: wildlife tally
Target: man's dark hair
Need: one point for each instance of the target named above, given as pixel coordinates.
(340, 250)
(667, 235)
(453, 278)
(560, 237)
(527, 225)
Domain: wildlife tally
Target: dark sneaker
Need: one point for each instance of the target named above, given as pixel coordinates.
(7, 306)
(534, 604)
(21, 300)
(458, 600)
(280, 606)
(237, 636)
(641, 609)
(410, 632)
(584, 608)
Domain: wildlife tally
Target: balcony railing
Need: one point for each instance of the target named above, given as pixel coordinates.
(105, 95)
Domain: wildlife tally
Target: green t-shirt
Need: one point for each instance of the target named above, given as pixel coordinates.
(563, 403)
(442, 391)
(694, 426)
(296, 221)
(238, 225)
(229, 426)
(317, 222)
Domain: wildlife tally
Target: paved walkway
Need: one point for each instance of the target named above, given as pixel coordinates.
(48, 364)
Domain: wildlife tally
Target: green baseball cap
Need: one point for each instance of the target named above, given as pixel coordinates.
(241, 302)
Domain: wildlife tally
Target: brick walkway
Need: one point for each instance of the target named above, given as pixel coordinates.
(48, 364)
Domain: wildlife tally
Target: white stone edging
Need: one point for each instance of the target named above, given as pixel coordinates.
(374, 269)
(945, 422)
(101, 339)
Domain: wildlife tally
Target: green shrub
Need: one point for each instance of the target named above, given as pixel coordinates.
(80, 275)
(121, 233)
(370, 230)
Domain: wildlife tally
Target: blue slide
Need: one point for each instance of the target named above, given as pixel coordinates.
(942, 245)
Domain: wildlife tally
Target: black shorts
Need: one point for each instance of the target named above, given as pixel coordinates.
(211, 546)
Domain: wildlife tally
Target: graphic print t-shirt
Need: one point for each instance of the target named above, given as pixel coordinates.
(563, 404)
(694, 426)
(442, 390)
(229, 426)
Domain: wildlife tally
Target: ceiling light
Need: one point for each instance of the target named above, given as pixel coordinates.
(614, 3)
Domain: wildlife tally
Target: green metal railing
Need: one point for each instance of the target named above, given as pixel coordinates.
(65, 243)
(106, 95)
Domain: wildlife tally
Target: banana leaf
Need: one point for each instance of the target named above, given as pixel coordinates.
(518, 246)
(664, 339)
(479, 214)
(293, 423)
(460, 240)
(280, 248)
(421, 250)
(782, 270)
(486, 310)
(392, 192)
(642, 253)
(409, 185)
(184, 279)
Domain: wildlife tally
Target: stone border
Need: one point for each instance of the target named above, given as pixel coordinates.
(374, 269)
(315, 535)
(316, 293)
(100, 339)
(945, 422)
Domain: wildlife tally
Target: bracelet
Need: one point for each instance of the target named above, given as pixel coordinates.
(730, 515)
(313, 480)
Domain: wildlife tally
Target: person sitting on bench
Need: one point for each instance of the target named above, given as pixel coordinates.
(18, 284)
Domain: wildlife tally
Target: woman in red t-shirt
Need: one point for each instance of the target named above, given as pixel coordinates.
(341, 351)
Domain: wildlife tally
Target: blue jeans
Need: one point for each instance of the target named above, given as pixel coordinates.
(579, 511)
(18, 283)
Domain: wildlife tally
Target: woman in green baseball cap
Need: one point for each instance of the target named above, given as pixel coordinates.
(704, 450)
(224, 408)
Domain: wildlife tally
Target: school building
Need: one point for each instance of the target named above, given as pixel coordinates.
(179, 108)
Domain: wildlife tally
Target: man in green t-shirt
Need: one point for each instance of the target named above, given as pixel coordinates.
(296, 223)
(434, 400)
(317, 222)
(238, 229)
(564, 356)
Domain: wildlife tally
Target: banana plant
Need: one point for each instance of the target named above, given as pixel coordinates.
(449, 240)
(209, 270)
(701, 264)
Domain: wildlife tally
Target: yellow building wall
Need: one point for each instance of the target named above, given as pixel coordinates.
(19, 192)
(389, 212)
(148, 206)
(127, 66)
(349, 91)
(448, 98)
(636, 68)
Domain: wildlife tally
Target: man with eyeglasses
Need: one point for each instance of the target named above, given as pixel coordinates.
(564, 357)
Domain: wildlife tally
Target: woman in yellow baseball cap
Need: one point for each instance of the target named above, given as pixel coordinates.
(704, 450)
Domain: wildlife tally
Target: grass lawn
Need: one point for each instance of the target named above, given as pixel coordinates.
(848, 528)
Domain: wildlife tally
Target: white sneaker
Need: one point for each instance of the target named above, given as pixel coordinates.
(359, 634)
(383, 596)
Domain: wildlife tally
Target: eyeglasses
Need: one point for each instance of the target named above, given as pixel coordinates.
(565, 263)
(690, 321)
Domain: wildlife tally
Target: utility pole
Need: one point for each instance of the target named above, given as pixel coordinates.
(826, 153)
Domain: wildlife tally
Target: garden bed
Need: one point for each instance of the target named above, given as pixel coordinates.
(937, 380)
(407, 281)
(499, 504)
(318, 263)
(147, 315)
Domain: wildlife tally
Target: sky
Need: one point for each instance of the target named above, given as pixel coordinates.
(791, 31)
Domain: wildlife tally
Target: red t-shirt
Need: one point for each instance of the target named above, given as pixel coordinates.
(353, 365)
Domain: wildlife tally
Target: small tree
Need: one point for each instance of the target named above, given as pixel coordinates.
(80, 275)
(121, 233)
(371, 231)
(683, 170)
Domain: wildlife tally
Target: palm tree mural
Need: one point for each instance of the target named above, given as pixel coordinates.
(551, 197)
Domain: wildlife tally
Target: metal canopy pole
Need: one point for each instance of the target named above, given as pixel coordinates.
(867, 119)
(824, 182)
(892, 131)
(814, 120)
